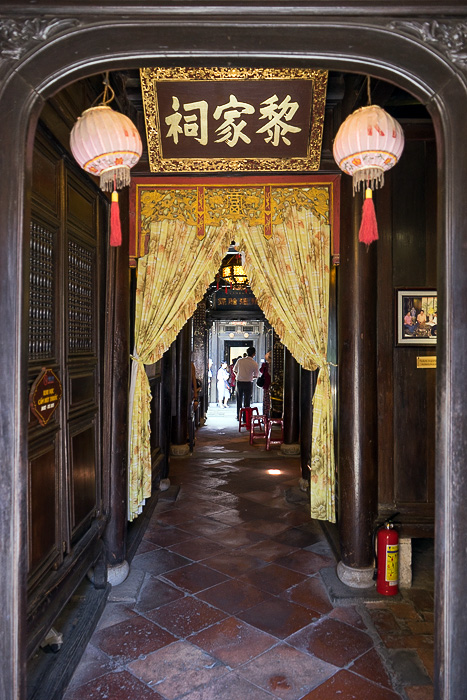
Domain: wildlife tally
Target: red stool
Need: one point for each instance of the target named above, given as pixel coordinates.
(258, 428)
(276, 439)
(244, 419)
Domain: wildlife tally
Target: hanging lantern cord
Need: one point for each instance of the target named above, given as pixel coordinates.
(108, 95)
(368, 89)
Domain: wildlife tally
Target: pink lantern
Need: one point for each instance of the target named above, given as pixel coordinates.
(368, 143)
(106, 143)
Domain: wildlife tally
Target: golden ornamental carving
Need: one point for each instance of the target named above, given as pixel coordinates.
(213, 205)
(234, 204)
(155, 130)
(314, 198)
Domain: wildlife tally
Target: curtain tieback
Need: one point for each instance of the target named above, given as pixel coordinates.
(137, 359)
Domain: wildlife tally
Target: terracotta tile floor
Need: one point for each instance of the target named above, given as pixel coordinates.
(225, 599)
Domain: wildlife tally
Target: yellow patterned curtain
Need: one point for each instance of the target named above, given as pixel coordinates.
(172, 279)
(289, 275)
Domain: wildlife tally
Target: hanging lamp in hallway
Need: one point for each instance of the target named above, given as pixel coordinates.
(368, 143)
(233, 272)
(107, 144)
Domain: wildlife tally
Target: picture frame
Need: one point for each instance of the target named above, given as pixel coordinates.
(416, 316)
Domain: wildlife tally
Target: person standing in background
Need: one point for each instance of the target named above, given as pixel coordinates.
(245, 370)
(223, 392)
(232, 379)
(264, 370)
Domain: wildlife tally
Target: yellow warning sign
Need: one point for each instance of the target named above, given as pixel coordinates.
(392, 563)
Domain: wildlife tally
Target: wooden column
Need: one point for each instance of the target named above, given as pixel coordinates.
(166, 409)
(116, 401)
(291, 404)
(182, 397)
(357, 397)
(307, 387)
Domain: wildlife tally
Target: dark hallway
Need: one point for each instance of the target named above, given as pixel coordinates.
(226, 597)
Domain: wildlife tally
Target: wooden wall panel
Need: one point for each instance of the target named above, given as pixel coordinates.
(43, 507)
(406, 210)
(83, 476)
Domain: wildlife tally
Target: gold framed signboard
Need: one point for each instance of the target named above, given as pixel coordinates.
(232, 119)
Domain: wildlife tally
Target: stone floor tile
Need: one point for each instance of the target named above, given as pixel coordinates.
(280, 618)
(146, 546)
(114, 613)
(311, 593)
(233, 642)
(262, 496)
(236, 537)
(372, 667)
(420, 627)
(198, 548)
(332, 641)
(155, 593)
(205, 527)
(295, 537)
(232, 517)
(186, 616)
(304, 562)
(94, 663)
(347, 686)
(234, 596)
(117, 686)
(273, 578)
(350, 615)
(177, 669)
(265, 527)
(427, 658)
(404, 611)
(127, 640)
(421, 692)
(408, 667)
(194, 578)
(408, 641)
(287, 672)
(269, 550)
(164, 535)
(383, 620)
(421, 598)
(229, 687)
(158, 562)
(236, 562)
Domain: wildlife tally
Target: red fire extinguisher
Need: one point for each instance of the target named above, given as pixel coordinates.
(387, 559)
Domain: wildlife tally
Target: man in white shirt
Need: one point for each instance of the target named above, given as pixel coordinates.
(245, 370)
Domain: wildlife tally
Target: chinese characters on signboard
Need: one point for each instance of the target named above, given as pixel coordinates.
(224, 124)
(228, 298)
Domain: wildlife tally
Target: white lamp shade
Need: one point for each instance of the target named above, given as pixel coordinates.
(368, 143)
(106, 143)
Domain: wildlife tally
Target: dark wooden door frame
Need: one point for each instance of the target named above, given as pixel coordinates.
(413, 46)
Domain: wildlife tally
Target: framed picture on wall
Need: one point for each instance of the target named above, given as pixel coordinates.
(416, 316)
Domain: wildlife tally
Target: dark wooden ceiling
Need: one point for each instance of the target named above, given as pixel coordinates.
(345, 93)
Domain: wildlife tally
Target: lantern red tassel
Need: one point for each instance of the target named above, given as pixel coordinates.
(115, 226)
(368, 228)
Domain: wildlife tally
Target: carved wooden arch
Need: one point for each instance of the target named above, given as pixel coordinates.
(426, 57)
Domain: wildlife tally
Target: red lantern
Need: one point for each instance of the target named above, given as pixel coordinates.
(107, 144)
(368, 143)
